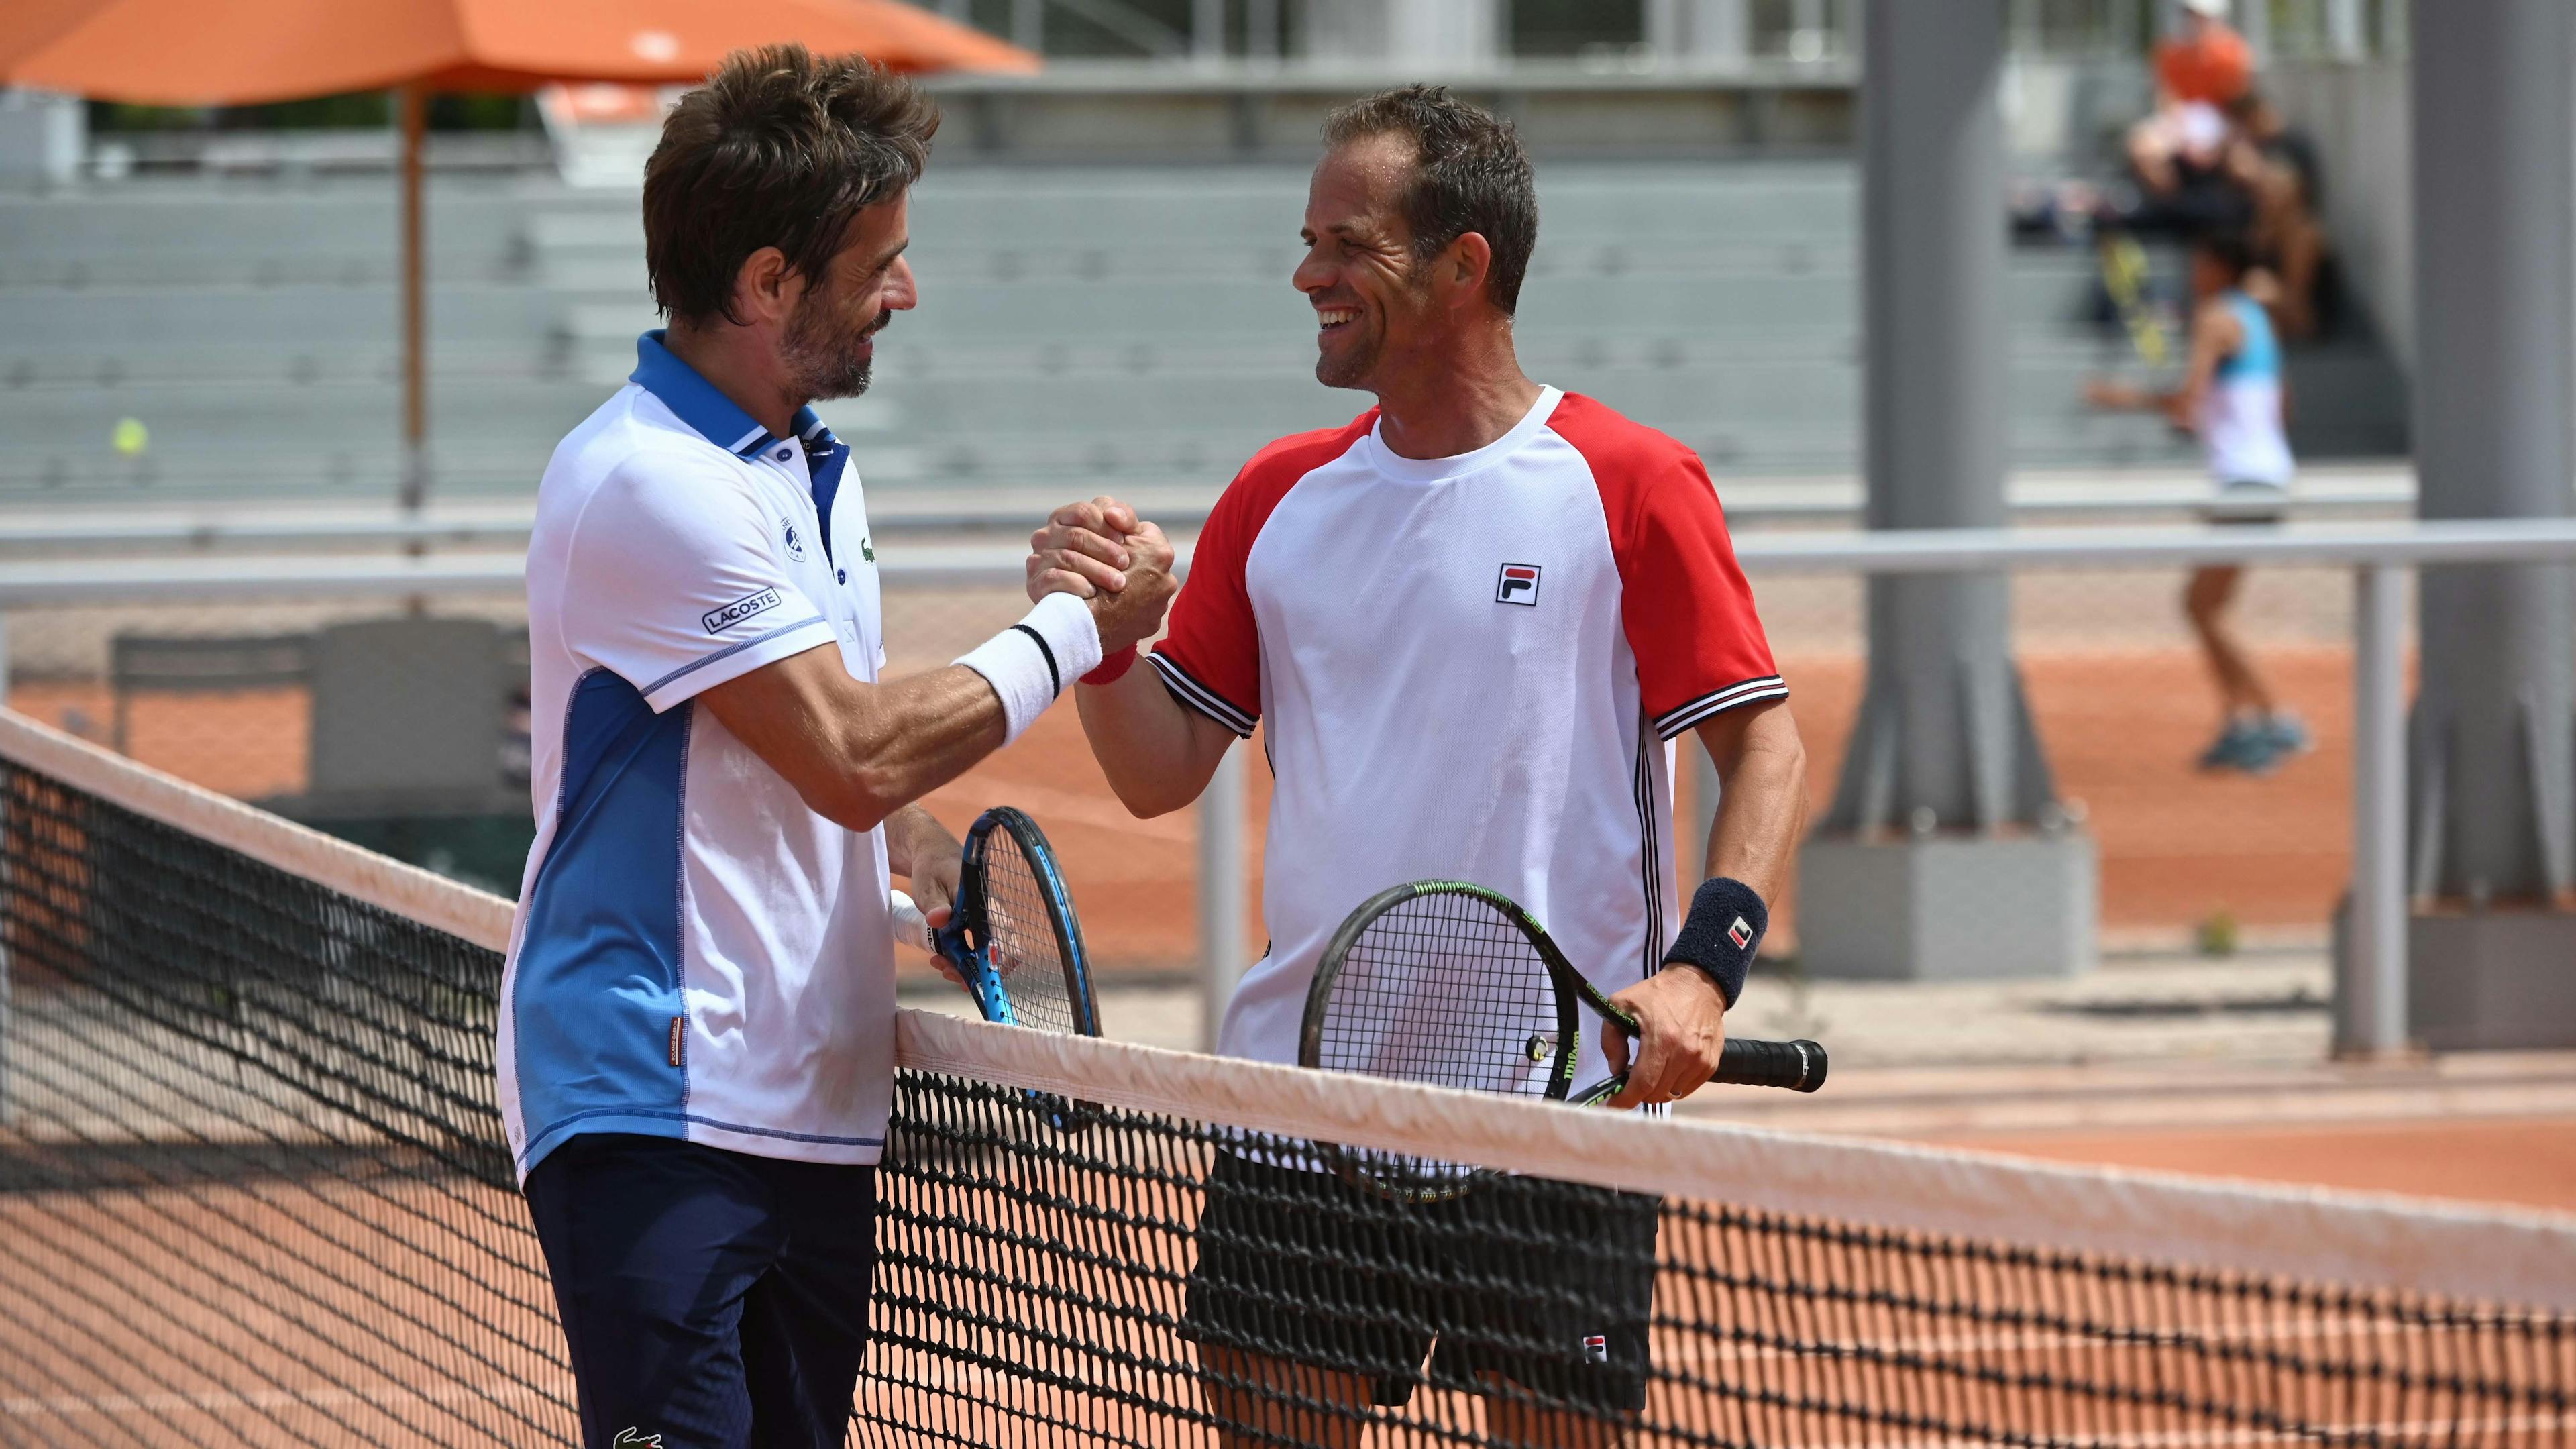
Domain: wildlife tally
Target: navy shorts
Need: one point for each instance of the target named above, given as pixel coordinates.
(1547, 1284)
(712, 1298)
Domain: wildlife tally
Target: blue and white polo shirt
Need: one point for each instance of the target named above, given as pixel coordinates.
(697, 954)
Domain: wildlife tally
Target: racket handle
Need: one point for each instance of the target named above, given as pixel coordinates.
(910, 927)
(1798, 1066)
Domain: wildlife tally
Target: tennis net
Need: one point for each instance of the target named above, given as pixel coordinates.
(253, 1189)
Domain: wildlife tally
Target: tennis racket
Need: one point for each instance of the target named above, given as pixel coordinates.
(1012, 935)
(1013, 938)
(1454, 985)
(2124, 280)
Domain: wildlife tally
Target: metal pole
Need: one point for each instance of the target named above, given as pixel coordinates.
(414, 104)
(1222, 902)
(1941, 721)
(2344, 33)
(1207, 30)
(2370, 1012)
(1028, 24)
(2495, 291)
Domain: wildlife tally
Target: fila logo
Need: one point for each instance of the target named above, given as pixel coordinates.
(1596, 1348)
(1740, 933)
(1517, 584)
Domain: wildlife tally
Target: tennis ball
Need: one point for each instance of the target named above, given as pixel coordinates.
(2216, 935)
(131, 437)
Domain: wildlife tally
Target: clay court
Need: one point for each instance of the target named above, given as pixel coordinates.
(2122, 727)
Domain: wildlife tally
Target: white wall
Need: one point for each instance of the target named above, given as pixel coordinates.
(41, 137)
(2364, 132)
(1435, 34)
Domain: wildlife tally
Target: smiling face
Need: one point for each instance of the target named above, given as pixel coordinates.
(1372, 299)
(830, 340)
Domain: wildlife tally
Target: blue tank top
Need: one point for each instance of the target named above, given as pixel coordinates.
(2259, 355)
(2240, 420)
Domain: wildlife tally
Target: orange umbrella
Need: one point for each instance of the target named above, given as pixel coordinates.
(244, 52)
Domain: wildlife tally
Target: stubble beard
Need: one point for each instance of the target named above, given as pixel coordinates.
(825, 366)
(1345, 370)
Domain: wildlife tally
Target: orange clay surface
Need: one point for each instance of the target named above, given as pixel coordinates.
(2525, 1160)
(2121, 728)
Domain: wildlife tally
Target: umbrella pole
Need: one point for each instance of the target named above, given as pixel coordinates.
(414, 105)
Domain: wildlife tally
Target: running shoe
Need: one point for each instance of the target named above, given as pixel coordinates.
(2247, 745)
(2288, 734)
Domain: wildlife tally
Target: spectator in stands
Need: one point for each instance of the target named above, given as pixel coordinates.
(2178, 150)
(2208, 62)
(2231, 397)
(2276, 167)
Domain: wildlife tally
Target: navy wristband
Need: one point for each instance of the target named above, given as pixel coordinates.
(1724, 928)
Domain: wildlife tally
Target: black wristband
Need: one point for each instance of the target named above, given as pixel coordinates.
(1724, 928)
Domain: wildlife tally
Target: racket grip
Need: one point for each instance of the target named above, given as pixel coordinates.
(1798, 1066)
(910, 927)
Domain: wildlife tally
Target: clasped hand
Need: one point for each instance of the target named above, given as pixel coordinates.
(1101, 551)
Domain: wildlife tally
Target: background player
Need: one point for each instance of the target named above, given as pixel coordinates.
(2231, 397)
(1472, 618)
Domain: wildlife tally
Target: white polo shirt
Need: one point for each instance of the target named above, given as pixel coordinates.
(697, 954)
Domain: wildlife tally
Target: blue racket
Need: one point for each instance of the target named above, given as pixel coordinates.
(1012, 936)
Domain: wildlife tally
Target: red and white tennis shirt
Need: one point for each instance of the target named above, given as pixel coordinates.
(1470, 668)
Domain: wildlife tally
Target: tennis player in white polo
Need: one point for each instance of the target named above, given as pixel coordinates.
(696, 1034)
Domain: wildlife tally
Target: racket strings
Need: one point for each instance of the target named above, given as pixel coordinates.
(1444, 989)
(1020, 934)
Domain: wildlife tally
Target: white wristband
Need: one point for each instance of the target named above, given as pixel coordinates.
(1038, 658)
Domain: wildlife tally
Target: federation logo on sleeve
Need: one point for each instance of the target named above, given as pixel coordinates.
(795, 541)
(1517, 584)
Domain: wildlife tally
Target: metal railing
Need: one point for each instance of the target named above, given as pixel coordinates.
(2370, 984)
(501, 523)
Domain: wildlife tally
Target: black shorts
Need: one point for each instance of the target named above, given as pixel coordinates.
(1548, 1284)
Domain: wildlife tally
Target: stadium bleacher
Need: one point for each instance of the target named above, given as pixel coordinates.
(1084, 326)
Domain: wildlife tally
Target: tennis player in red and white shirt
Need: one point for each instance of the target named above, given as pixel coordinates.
(1472, 620)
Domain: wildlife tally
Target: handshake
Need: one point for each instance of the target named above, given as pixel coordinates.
(1101, 551)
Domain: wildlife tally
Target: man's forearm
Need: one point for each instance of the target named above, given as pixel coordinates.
(1156, 752)
(917, 733)
(1762, 807)
(858, 752)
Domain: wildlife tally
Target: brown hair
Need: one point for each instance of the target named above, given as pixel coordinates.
(1470, 174)
(780, 148)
